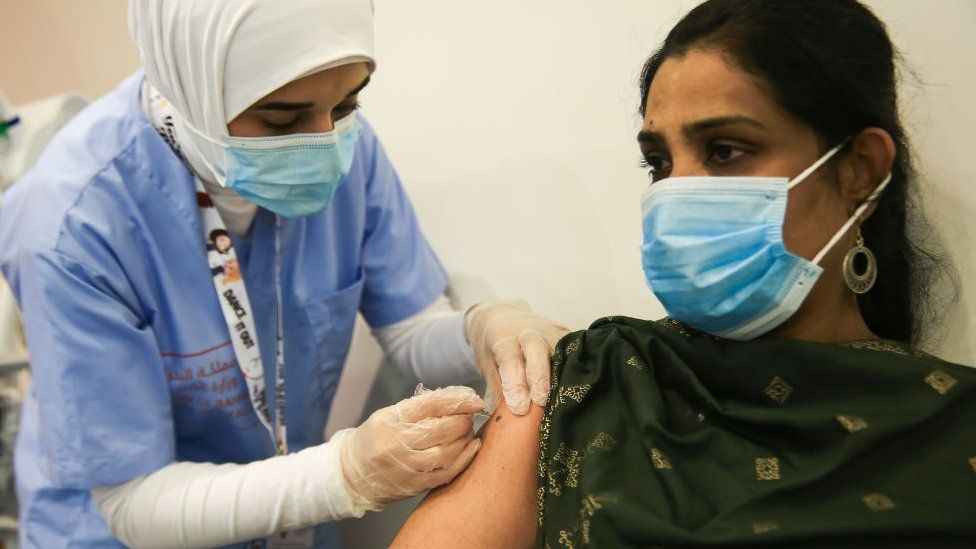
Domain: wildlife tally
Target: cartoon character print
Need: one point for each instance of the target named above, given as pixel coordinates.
(220, 242)
(232, 272)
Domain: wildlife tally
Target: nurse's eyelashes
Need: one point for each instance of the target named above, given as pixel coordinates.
(289, 123)
(283, 114)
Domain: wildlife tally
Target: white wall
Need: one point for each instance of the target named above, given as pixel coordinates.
(937, 41)
(513, 125)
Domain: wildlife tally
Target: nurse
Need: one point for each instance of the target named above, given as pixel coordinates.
(189, 255)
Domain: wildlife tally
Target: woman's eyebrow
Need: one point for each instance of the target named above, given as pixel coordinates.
(358, 88)
(286, 106)
(693, 129)
(650, 137)
(283, 106)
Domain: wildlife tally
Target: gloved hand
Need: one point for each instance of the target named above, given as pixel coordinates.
(512, 346)
(410, 447)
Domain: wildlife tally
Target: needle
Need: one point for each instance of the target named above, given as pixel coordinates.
(421, 390)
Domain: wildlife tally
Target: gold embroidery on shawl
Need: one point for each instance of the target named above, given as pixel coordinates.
(778, 390)
(574, 345)
(941, 381)
(876, 345)
(660, 462)
(886, 346)
(602, 441)
(878, 502)
(545, 430)
(540, 496)
(637, 363)
(580, 534)
(557, 359)
(563, 469)
(972, 462)
(767, 468)
(576, 392)
(764, 527)
(684, 330)
(570, 461)
(589, 508)
(853, 424)
(673, 324)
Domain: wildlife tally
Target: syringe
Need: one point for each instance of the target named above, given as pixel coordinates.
(479, 417)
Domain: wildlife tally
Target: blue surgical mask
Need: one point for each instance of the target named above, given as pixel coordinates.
(290, 175)
(714, 256)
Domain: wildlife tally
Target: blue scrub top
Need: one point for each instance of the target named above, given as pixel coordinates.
(132, 363)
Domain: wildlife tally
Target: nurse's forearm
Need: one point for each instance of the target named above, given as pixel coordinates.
(204, 504)
(431, 346)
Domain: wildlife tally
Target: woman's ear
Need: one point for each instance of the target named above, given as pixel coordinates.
(869, 161)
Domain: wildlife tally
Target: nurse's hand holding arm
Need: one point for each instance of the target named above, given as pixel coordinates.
(400, 451)
(513, 346)
(502, 341)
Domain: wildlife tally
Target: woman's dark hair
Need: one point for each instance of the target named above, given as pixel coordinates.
(831, 65)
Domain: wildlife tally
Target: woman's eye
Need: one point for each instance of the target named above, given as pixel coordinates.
(343, 111)
(657, 166)
(279, 124)
(722, 153)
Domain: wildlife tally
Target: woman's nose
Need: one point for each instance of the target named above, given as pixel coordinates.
(323, 122)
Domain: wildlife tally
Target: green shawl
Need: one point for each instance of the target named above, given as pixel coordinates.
(659, 436)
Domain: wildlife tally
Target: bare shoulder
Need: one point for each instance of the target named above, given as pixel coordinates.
(493, 502)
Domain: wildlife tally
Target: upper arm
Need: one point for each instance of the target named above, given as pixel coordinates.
(102, 396)
(493, 502)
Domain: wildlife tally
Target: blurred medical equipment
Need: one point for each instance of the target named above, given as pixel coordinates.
(36, 123)
(24, 132)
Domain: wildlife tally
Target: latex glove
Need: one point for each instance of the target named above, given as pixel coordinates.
(410, 447)
(512, 346)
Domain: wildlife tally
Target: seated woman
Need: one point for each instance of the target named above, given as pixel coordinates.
(783, 402)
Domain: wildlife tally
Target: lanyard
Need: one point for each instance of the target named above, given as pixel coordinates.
(228, 281)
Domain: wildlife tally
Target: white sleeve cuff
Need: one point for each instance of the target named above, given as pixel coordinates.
(431, 346)
(203, 504)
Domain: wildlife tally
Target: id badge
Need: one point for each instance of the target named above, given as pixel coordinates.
(292, 539)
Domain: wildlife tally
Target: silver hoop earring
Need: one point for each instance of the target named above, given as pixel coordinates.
(860, 283)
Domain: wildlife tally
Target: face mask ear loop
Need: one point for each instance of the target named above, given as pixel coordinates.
(203, 135)
(203, 157)
(816, 165)
(857, 215)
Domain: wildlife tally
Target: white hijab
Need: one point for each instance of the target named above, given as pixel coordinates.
(212, 59)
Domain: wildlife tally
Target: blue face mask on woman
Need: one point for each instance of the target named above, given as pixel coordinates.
(291, 175)
(714, 256)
